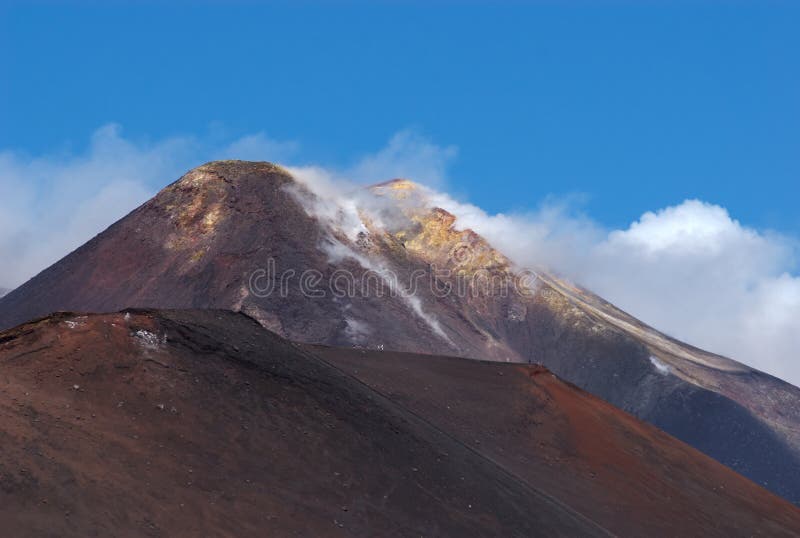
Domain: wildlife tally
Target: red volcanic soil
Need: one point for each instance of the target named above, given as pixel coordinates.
(626, 475)
(202, 423)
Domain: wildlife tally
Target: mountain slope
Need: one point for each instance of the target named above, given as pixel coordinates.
(330, 268)
(201, 422)
(628, 476)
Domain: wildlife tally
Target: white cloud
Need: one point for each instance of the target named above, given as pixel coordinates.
(257, 147)
(408, 155)
(693, 271)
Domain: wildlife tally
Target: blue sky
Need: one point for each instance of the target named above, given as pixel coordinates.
(649, 150)
(630, 107)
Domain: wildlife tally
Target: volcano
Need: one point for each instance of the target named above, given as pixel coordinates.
(334, 268)
(202, 422)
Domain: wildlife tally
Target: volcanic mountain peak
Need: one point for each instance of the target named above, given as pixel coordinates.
(229, 170)
(432, 233)
(398, 186)
(204, 197)
(207, 197)
(413, 199)
(241, 235)
(437, 240)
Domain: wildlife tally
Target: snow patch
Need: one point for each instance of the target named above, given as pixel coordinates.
(661, 368)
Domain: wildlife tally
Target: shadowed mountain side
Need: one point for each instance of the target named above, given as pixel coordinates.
(203, 423)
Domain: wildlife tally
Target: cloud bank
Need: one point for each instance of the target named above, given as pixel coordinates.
(691, 269)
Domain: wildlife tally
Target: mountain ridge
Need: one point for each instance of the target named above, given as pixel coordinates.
(179, 412)
(160, 422)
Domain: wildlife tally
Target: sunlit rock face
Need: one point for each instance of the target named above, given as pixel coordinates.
(385, 268)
